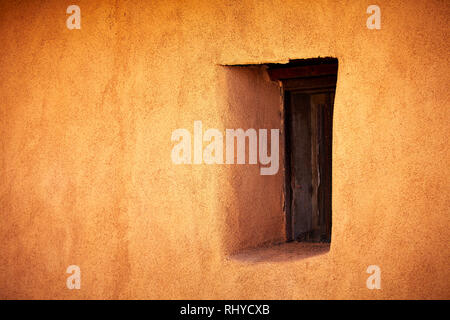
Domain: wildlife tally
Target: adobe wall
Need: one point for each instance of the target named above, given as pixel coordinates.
(86, 176)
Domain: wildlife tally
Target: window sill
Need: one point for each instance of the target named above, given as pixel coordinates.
(282, 252)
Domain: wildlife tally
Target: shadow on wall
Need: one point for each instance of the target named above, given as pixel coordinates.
(254, 208)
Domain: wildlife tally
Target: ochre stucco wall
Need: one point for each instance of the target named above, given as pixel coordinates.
(86, 176)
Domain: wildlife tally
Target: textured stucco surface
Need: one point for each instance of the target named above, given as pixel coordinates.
(86, 176)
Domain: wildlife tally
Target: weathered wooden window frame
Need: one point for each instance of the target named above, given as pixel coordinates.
(311, 78)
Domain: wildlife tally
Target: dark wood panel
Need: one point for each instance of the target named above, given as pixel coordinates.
(301, 175)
